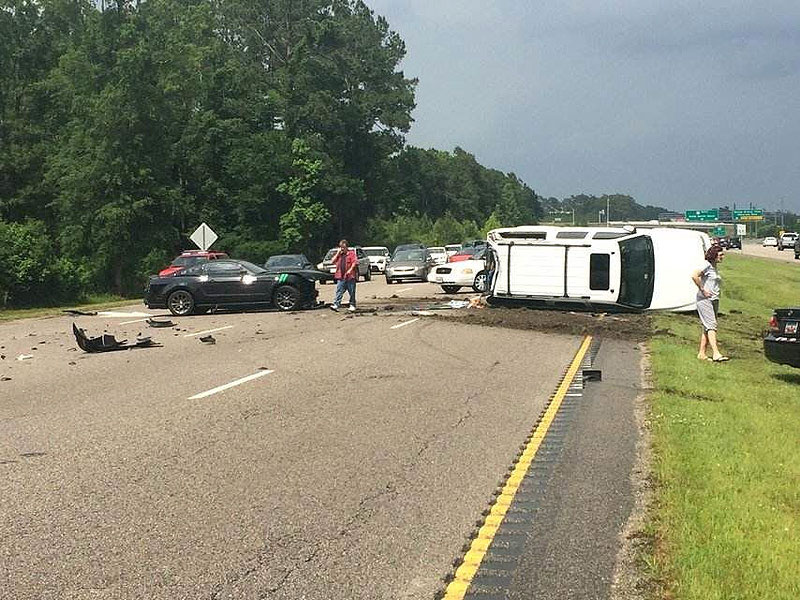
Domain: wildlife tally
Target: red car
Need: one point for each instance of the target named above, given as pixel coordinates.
(189, 258)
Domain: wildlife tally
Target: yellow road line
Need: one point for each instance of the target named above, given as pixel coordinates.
(457, 589)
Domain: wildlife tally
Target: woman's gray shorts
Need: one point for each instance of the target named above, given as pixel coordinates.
(708, 309)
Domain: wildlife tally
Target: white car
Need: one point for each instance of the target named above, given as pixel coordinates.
(378, 256)
(451, 249)
(466, 273)
(770, 241)
(438, 254)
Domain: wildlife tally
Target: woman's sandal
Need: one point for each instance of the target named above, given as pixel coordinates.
(721, 359)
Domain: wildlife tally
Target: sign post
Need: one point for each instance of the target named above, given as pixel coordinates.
(203, 237)
(702, 215)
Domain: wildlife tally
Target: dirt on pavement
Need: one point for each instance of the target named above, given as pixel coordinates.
(634, 327)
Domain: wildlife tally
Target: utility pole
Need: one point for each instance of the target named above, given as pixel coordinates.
(608, 211)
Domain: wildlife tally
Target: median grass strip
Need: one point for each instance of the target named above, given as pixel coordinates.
(727, 449)
(98, 302)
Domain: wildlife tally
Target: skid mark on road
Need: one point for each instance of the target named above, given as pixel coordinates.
(134, 321)
(403, 290)
(458, 588)
(208, 331)
(234, 383)
(404, 323)
(122, 315)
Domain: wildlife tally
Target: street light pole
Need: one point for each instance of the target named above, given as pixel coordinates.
(608, 211)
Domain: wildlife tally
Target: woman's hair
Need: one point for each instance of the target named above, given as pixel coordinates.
(713, 253)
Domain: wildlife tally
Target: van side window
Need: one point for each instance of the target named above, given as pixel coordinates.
(599, 271)
(571, 235)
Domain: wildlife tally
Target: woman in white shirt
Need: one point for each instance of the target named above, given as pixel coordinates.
(707, 280)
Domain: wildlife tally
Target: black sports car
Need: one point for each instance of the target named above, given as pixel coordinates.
(228, 284)
(782, 341)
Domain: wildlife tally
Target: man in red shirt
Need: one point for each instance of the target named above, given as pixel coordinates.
(346, 274)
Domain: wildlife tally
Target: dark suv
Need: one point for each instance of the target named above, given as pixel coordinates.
(797, 249)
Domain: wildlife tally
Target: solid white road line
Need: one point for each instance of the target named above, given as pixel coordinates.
(208, 331)
(227, 386)
(134, 321)
(404, 323)
(403, 290)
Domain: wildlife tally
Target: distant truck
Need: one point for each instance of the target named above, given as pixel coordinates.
(787, 240)
(596, 268)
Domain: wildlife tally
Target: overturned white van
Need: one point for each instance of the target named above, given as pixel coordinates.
(603, 268)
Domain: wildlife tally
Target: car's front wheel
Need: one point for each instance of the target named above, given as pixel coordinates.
(368, 275)
(389, 281)
(451, 289)
(180, 303)
(286, 298)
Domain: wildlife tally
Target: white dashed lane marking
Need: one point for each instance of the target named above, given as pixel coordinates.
(208, 331)
(227, 386)
(404, 323)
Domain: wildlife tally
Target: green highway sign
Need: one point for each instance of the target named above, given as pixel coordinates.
(702, 215)
(719, 231)
(748, 214)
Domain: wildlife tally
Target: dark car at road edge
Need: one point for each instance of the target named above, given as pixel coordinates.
(231, 284)
(781, 341)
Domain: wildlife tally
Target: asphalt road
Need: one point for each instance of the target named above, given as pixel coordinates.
(351, 463)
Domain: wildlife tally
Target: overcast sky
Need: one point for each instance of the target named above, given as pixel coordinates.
(680, 104)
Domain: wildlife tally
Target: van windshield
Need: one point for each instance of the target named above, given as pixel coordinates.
(637, 277)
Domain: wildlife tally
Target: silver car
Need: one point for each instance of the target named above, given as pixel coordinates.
(362, 270)
(408, 264)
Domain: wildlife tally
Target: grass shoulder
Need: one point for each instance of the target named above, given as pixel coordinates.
(97, 302)
(726, 451)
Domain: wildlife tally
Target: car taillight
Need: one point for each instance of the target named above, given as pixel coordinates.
(773, 323)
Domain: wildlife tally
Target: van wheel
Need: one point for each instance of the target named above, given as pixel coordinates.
(368, 276)
(480, 284)
(451, 289)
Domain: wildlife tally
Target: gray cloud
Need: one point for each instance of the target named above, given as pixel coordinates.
(682, 104)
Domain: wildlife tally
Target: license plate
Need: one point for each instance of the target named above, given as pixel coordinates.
(791, 327)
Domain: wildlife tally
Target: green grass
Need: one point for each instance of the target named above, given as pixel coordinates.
(727, 449)
(96, 302)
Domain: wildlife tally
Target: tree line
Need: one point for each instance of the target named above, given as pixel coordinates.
(281, 123)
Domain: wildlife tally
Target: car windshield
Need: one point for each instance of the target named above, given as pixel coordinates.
(188, 261)
(255, 269)
(469, 251)
(330, 254)
(409, 255)
(436, 250)
(288, 260)
(375, 251)
(638, 272)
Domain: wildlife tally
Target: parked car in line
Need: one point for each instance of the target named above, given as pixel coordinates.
(797, 249)
(473, 244)
(770, 241)
(189, 258)
(592, 268)
(438, 254)
(781, 341)
(412, 263)
(466, 273)
(410, 246)
(464, 254)
(228, 283)
(363, 269)
(735, 242)
(787, 240)
(452, 249)
(378, 257)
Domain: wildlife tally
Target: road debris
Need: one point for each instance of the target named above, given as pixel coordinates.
(208, 339)
(80, 313)
(24, 356)
(157, 323)
(107, 342)
(5, 378)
